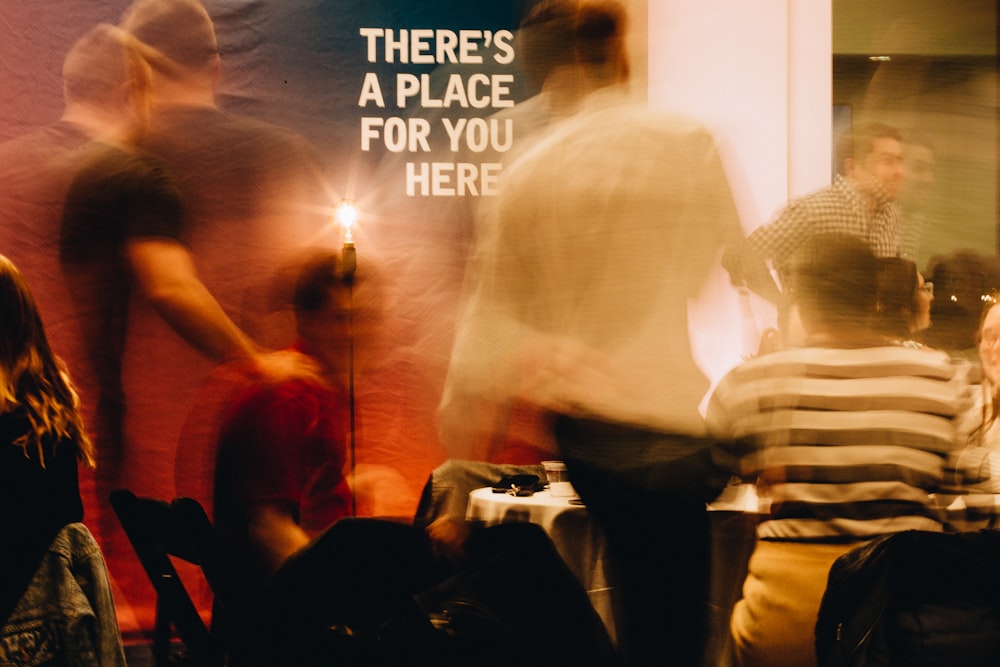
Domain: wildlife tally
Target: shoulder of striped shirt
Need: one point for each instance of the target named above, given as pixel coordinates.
(865, 361)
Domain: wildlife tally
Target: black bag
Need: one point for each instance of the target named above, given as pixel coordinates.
(519, 485)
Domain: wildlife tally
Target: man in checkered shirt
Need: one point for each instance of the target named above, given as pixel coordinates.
(862, 202)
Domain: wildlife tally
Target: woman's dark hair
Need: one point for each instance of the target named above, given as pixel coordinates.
(897, 296)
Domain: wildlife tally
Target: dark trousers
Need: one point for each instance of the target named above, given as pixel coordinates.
(647, 491)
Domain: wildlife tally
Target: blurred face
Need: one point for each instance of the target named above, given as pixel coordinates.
(356, 316)
(329, 330)
(922, 304)
(989, 345)
(918, 176)
(883, 166)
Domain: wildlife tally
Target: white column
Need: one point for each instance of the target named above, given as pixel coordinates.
(758, 73)
(810, 95)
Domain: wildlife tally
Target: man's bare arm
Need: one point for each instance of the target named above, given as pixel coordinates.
(166, 272)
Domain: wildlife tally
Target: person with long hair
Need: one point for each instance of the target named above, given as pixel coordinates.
(903, 309)
(971, 502)
(42, 437)
(985, 432)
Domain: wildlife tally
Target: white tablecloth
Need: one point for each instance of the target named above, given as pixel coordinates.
(576, 537)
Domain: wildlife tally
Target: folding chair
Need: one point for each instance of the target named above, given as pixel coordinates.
(159, 530)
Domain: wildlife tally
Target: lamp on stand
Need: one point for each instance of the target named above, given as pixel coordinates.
(347, 216)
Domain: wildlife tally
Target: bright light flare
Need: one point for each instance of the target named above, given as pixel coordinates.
(347, 216)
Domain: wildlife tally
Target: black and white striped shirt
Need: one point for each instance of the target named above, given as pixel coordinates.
(846, 443)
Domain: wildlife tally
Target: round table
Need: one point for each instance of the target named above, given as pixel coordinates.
(576, 537)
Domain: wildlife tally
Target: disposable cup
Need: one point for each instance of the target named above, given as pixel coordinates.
(559, 485)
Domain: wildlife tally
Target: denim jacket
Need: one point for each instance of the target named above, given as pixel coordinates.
(67, 615)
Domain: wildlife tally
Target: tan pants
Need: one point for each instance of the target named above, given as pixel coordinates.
(774, 624)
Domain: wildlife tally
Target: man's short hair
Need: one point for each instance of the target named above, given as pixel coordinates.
(562, 32)
(857, 142)
(834, 279)
(180, 30)
(98, 63)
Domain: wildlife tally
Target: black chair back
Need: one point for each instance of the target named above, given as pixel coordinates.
(916, 598)
(159, 530)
